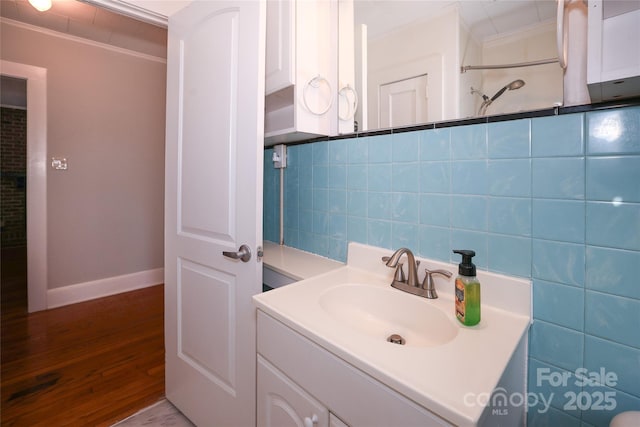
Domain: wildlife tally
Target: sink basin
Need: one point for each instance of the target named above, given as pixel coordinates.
(381, 312)
(352, 310)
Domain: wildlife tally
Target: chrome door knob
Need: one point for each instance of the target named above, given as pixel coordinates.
(243, 254)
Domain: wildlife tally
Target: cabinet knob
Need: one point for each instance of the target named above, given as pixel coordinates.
(311, 422)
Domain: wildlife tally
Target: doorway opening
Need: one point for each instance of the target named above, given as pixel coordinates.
(35, 192)
(13, 193)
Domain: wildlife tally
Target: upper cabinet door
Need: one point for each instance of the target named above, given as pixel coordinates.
(213, 204)
(302, 70)
(281, 39)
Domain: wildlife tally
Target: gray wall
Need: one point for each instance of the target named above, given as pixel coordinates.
(106, 115)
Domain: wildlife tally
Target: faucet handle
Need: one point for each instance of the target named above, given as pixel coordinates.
(429, 285)
(445, 273)
(399, 274)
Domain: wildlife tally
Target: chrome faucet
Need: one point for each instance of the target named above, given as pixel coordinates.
(410, 284)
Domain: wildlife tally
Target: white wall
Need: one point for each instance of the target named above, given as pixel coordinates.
(470, 54)
(409, 50)
(106, 115)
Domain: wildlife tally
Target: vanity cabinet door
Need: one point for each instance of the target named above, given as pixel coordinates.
(335, 421)
(282, 403)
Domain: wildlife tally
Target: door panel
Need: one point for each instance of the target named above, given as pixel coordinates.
(404, 102)
(210, 350)
(213, 203)
(207, 138)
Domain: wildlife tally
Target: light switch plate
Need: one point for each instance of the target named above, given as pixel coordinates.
(59, 163)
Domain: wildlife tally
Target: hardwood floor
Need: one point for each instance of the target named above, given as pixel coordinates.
(92, 363)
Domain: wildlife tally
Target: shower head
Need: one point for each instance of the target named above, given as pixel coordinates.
(516, 84)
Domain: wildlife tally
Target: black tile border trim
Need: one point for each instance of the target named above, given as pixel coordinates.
(555, 111)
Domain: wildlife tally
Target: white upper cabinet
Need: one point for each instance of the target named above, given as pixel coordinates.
(301, 70)
(613, 64)
(347, 99)
(281, 45)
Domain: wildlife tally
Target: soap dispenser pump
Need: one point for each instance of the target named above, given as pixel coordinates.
(467, 292)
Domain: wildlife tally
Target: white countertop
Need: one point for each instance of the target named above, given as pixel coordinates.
(295, 263)
(436, 377)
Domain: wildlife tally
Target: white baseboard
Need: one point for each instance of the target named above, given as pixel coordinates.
(104, 287)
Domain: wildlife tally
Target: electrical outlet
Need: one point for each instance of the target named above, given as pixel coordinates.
(279, 156)
(59, 163)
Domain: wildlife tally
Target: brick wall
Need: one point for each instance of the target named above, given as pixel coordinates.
(13, 168)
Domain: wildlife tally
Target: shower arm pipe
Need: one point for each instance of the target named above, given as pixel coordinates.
(466, 68)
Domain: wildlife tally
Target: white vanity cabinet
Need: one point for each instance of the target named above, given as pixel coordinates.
(301, 70)
(335, 421)
(282, 403)
(327, 334)
(298, 379)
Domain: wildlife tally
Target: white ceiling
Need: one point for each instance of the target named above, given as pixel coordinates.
(90, 22)
(485, 18)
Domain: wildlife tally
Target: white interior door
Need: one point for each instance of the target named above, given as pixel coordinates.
(213, 203)
(404, 102)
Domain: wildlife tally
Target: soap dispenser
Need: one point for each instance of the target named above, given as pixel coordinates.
(467, 292)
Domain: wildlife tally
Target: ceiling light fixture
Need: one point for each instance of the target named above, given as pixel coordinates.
(41, 5)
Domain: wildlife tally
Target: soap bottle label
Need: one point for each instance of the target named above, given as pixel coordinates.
(460, 300)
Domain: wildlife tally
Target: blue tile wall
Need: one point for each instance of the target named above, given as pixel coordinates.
(271, 197)
(551, 304)
(549, 409)
(555, 199)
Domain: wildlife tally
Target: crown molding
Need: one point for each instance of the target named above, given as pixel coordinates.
(133, 11)
(53, 33)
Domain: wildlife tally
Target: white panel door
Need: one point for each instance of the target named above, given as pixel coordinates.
(213, 203)
(404, 102)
